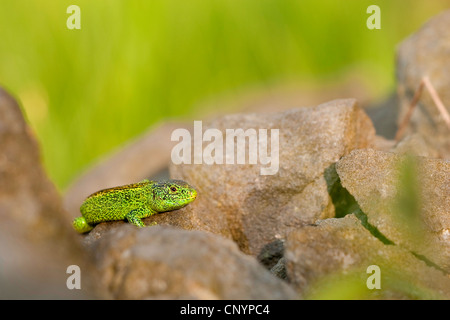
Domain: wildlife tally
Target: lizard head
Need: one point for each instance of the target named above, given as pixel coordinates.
(171, 195)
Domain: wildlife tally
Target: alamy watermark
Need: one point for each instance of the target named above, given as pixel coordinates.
(74, 20)
(374, 20)
(374, 280)
(231, 149)
(74, 280)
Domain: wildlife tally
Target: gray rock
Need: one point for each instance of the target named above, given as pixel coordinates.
(279, 269)
(415, 144)
(271, 253)
(27, 197)
(425, 53)
(331, 260)
(36, 241)
(238, 202)
(170, 263)
(412, 211)
(384, 116)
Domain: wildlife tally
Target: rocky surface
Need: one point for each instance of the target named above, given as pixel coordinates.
(254, 209)
(27, 197)
(414, 144)
(425, 53)
(271, 253)
(36, 243)
(279, 269)
(374, 179)
(341, 250)
(170, 263)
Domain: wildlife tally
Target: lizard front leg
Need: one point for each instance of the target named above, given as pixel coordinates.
(135, 216)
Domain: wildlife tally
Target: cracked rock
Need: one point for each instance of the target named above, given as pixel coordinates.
(257, 209)
(411, 208)
(334, 257)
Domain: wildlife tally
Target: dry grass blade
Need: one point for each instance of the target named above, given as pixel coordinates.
(417, 94)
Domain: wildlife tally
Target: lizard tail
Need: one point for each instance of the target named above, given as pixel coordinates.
(80, 225)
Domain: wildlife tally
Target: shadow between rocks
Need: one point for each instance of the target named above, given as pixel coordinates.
(344, 203)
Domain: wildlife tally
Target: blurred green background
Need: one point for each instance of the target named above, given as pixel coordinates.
(134, 63)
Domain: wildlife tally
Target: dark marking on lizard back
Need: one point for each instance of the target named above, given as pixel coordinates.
(124, 187)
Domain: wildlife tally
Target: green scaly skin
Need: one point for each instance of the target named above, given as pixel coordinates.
(133, 202)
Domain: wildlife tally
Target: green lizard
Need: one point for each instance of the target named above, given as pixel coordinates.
(133, 202)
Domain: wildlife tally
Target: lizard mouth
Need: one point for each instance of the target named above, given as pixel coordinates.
(193, 195)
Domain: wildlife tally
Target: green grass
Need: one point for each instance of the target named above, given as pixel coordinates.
(134, 63)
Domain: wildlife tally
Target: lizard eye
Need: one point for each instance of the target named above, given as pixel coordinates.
(173, 189)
